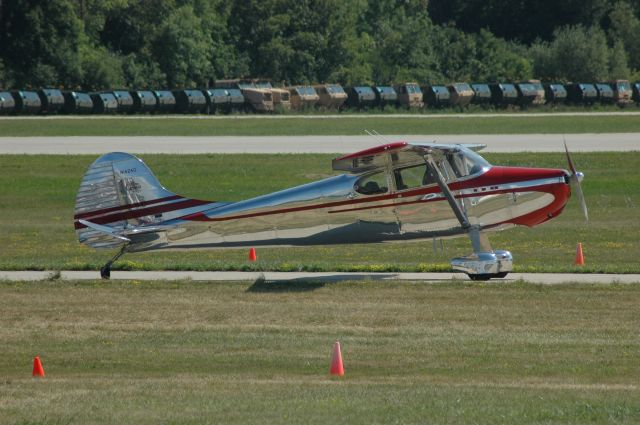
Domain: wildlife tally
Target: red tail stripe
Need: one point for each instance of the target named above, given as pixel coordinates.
(125, 207)
(126, 215)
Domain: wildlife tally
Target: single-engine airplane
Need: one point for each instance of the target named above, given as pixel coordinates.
(394, 192)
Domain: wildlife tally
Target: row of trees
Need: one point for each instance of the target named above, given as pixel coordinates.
(95, 44)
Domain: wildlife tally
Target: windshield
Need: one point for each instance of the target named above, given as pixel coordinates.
(335, 89)
(623, 87)
(467, 163)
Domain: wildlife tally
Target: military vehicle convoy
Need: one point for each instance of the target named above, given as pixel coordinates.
(260, 96)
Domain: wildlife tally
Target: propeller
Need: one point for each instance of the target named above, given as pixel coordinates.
(574, 179)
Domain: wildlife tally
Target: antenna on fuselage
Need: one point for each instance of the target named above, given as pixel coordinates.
(377, 136)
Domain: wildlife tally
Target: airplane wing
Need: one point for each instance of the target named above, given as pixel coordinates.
(399, 153)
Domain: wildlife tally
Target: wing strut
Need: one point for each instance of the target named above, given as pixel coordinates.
(444, 188)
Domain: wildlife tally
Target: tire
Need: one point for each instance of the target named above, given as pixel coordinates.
(105, 272)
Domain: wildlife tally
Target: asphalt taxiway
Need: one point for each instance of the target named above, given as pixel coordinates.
(97, 145)
(538, 278)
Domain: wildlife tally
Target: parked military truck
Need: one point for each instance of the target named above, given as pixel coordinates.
(605, 93)
(281, 97)
(581, 93)
(527, 93)
(257, 99)
(540, 93)
(26, 102)
(124, 99)
(360, 97)
(104, 103)
(481, 93)
(303, 97)
(52, 100)
(77, 102)
(461, 94)
(7, 104)
(385, 95)
(331, 96)
(436, 96)
(165, 101)
(622, 92)
(636, 92)
(503, 94)
(143, 101)
(409, 95)
(555, 93)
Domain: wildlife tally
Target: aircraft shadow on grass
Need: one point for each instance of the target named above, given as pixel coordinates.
(305, 284)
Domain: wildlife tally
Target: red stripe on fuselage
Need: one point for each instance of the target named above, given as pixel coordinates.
(126, 215)
(494, 176)
(125, 207)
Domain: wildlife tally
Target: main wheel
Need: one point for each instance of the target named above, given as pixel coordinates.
(481, 277)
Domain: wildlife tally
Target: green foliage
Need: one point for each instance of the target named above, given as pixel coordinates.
(102, 69)
(183, 49)
(96, 44)
(618, 64)
(625, 26)
(39, 42)
(522, 21)
(500, 60)
(577, 53)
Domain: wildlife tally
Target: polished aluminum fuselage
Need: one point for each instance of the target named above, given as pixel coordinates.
(120, 202)
(331, 212)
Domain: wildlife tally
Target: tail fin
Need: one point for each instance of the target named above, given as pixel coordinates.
(118, 190)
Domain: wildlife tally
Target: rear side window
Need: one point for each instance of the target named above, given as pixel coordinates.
(372, 184)
(411, 177)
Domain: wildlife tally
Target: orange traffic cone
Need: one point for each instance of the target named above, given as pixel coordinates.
(336, 361)
(38, 370)
(579, 261)
(252, 254)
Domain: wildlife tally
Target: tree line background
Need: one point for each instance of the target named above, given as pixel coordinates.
(100, 44)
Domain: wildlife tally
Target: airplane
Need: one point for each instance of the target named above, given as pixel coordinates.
(398, 191)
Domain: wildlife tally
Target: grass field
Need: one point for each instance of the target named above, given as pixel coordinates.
(38, 196)
(351, 125)
(195, 353)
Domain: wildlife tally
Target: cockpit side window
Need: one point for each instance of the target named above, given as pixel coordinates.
(411, 177)
(372, 184)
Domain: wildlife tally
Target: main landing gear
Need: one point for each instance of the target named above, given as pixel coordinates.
(484, 263)
(105, 271)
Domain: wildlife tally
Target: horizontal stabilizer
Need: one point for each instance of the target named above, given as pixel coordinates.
(104, 229)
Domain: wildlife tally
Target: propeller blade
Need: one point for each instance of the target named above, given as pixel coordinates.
(571, 166)
(578, 189)
(575, 179)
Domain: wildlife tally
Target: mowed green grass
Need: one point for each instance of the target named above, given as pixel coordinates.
(196, 353)
(38, 196)
(351, 125)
